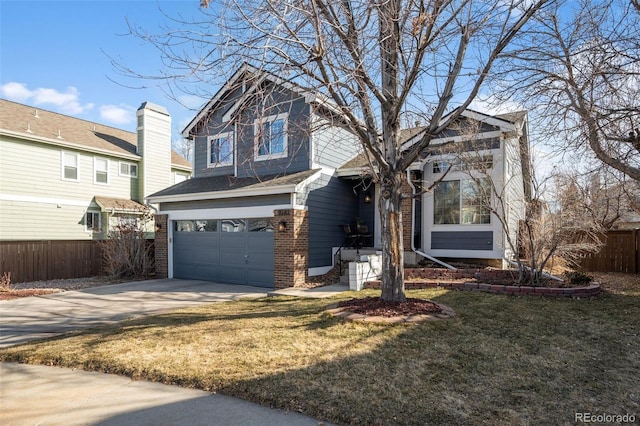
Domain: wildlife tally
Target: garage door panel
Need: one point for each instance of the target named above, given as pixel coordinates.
(231, 254)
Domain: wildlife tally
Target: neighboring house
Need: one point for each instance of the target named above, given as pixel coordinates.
(63, 178)
(276, 177)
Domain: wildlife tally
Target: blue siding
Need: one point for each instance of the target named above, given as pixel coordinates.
(331, 203)
(275, 101)
(462, 240)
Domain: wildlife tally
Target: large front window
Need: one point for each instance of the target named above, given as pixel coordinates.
(271, 137)
(220, 150)
(462, 202)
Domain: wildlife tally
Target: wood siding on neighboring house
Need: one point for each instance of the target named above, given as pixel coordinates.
(36, 202)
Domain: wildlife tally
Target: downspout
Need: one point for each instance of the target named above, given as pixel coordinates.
(413, 225)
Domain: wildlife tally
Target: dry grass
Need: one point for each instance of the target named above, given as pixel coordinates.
(502, 359)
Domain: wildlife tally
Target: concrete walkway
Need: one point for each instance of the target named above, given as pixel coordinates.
(31, 395)
(39, 395)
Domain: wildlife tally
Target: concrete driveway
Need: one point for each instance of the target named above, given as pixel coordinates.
(31, 318)
(33, 394)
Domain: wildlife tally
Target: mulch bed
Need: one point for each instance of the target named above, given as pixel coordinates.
(375, 306)
(14, 294)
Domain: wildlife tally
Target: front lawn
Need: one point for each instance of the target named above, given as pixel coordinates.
(502, 359)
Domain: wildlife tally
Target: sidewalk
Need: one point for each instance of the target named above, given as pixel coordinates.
(39, 395)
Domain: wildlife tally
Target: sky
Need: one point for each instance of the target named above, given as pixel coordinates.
(56, 55)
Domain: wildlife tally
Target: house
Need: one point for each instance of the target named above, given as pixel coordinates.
(67, 179)
(277, 177)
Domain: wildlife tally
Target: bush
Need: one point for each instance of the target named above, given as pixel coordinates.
(126, 251)
(578, 278)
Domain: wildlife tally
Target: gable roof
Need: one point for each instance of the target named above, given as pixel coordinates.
(206, 188)
(36, 124)
(257, 76)
(508, 122)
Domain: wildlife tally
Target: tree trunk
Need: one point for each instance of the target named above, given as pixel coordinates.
(392, 243)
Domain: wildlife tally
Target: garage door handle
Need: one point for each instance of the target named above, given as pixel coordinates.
(246, 258)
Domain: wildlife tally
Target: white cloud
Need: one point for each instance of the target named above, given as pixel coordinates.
(66, 102)
(490, 105)
(119, 114)
(15, 91)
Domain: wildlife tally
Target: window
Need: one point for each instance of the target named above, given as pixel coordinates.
(271, 137)
(129, 169)
(93, 222)
(484, 162)
(461, 202)
(184, 226)
(69, 166)
(440, 166)
(233, 225)
(264, 224)
(206, 225)
(220, 150)
(101, 170)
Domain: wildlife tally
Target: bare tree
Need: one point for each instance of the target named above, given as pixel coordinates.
(372, 63)
(536, 232)
(581, 78)
(603, 196)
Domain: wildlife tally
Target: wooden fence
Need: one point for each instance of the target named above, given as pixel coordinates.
(47, 260)
(621, 253)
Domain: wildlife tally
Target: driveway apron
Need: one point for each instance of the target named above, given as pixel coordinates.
(29, 318)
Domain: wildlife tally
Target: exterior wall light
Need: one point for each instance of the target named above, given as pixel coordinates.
(282, 226)
(367, 197)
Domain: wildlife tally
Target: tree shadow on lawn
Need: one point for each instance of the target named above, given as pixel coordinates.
(500, 360)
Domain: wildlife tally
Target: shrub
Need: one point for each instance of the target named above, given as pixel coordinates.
(5, 281)
(577, 277)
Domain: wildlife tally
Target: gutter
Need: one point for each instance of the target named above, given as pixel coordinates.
(413, 224)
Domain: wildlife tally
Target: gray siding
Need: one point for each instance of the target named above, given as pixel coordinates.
(262, 200)
(463, 240)
(333, 146)
(271, 102)
(331, 203)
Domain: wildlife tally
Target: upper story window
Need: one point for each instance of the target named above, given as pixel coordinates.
(271, 137)
(100, 170)
(128, 169)
(480, 162)
(462, 202)
(70, 167)
(220, 150)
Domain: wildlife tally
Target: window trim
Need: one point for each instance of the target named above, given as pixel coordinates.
(92, 230)
(228, 135)
(129, 174)
(62, 163)
(461, 182)
(257, 124)
(95, 171)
